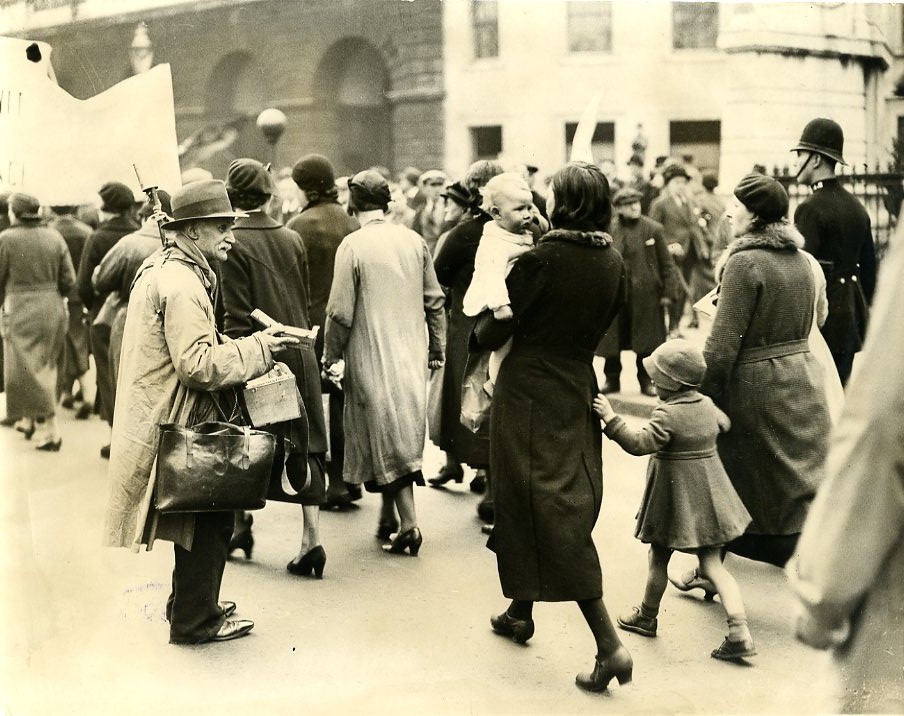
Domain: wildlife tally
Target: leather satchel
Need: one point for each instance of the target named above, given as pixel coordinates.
(212, 466)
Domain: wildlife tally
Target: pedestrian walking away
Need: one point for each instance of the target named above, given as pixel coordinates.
(689, 504)
(545, 446)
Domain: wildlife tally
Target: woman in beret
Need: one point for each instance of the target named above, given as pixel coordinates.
(545, 442)
(760, 371)
(36, 274)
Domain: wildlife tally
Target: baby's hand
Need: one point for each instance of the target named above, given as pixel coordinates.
(603, 408)
(503, 313)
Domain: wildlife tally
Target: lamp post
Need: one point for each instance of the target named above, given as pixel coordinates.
(272, 123)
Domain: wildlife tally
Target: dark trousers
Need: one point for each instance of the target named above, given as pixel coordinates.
(106, 390)
(337, 435)
(612, 369)
(193, 606)
(843, 356)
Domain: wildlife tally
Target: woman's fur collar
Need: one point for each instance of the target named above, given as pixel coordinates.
(595, 239)
(778, 236)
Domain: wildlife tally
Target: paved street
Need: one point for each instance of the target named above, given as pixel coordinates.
(83, 629)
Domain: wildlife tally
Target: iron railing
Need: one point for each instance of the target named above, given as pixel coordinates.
(881, 193)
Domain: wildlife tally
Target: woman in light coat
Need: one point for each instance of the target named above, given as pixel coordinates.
(36, 274)
(172, 362)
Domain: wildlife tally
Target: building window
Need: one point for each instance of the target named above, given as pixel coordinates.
(697, 142)
(602, 145)
(486, 142)
(485, 21)
(695, 25)
(589, 26)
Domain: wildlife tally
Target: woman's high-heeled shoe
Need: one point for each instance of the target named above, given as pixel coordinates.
(410, 540)
(693, 580)
(26, 427)
(386, 528)
(243, 539)
(520, 630)
(50, 445)
(448, 474)
(618, 665)
(313, 559)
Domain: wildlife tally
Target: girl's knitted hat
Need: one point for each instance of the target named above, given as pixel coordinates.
(675, 364)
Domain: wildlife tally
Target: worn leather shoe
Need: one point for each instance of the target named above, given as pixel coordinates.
(229, 629)
(520, 630)
(638, 623)
(733, 650)
(611, 386)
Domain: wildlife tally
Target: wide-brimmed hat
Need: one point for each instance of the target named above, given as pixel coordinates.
(763, 196)
(116, 197)
(673, 171)
(676, 364)
(626, 195)
(822, 136)
(201, 200)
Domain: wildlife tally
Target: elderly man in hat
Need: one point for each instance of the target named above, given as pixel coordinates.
(173, 362)
(681, 225)
(640, 325)
(836, 230)
(117, 220)
(385, 319)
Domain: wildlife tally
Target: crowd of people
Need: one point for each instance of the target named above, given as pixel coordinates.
(474, 309)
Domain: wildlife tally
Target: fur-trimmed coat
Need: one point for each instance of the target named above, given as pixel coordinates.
(761, 373)
(545, 442)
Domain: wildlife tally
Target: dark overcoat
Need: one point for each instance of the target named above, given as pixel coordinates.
(640, 325)
(98, 244)
(321, 226)
(267, 269)
(761, 373)
(454, 266)
(545, 442)
(836, 230)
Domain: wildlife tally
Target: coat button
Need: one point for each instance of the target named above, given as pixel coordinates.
(854, 279)
(841, 281)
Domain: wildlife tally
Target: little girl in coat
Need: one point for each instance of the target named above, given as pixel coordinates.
(689, 504)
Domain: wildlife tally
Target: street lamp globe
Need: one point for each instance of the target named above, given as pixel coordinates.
(272, 123)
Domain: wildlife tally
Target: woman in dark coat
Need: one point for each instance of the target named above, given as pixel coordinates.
(545, 443)
(454, 266)
(268, 270)
(322, 224)
(761, 373)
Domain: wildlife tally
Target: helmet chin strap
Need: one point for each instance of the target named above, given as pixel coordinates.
(804, 165)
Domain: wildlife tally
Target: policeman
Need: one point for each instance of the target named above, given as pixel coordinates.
(836, 230)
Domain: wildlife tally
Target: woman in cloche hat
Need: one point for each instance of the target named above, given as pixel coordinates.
(760, 371)
(172, 361)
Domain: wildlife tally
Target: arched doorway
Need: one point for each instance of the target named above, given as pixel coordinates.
(235, 94)
(350, 88)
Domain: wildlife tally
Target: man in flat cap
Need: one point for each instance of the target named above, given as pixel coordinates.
(117, 219)
(640, 325)
(836, 230)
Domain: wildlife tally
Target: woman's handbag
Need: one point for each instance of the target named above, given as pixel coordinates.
(212, 467)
